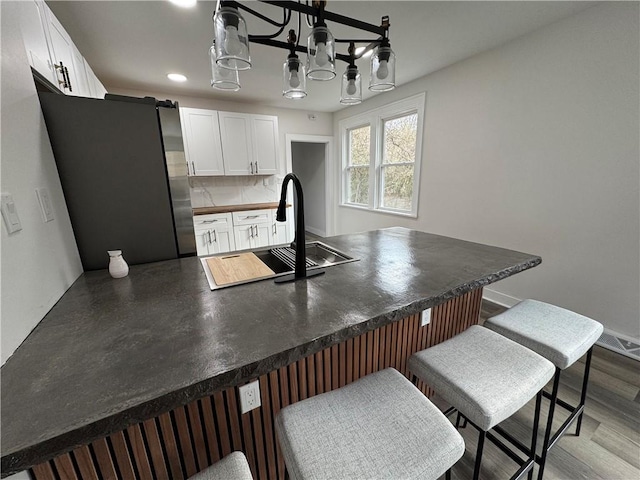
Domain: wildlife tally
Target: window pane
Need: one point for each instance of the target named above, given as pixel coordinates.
(397, 185)
(358, 185)
(400, 139)
(359, 146)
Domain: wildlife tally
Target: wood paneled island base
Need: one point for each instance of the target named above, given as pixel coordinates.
(179, 443)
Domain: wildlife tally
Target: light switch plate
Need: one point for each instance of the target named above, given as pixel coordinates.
(10, 214)
(425, 317)
(45, 204)
(249, 396)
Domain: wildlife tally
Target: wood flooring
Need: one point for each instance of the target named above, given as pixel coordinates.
(608, 447)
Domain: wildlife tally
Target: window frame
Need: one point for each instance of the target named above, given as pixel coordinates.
(375, 118)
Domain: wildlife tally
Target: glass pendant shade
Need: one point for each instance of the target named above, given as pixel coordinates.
(383, 70)
(231, 39)
(222, 78)
(321, 54)
(294, 78)
(351, 90)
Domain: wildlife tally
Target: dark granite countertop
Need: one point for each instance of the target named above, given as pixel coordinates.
(112, 353)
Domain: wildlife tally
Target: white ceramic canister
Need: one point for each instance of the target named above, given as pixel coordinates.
(118, 268)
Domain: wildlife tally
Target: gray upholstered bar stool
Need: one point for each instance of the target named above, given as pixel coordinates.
(232, 467)
(561, 336)
(487, 378)
(378, 427)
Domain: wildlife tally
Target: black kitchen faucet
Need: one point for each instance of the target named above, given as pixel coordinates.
(298, 243)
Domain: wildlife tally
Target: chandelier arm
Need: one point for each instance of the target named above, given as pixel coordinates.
(280, 30)
(235, 4)
(326, 15)
(297, 48)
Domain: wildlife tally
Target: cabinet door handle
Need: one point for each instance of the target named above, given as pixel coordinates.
(209, 233)
(251, 164)
(68, 80)
(274, 228)
(215, 237)
(251, 231)
(64, 82)
(256, 168)
(193, 167)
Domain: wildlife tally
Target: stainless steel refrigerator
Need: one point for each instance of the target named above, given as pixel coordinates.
(124, 176)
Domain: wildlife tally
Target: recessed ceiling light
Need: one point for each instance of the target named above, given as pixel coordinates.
(359, 50)
(176, 77)
(184, 3)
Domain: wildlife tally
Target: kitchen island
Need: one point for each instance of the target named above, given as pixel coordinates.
(137, 377)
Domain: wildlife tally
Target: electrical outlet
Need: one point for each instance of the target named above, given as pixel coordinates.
(10, 214)
(45, 204)
(425, 317)
(249, 396)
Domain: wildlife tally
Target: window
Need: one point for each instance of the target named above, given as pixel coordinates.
(381, 151)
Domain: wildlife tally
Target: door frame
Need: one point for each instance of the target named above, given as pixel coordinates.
(328, 171)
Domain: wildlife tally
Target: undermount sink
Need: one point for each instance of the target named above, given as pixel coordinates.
(281, 260)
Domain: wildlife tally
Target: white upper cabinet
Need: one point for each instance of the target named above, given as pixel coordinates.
(52, 53)
(237, 144)
(95, 85)
(62, 54)
(225, 143)
(249, 143)
(201, 135)
(265, 144)
(33, 23)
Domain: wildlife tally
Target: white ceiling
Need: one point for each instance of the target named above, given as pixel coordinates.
(133, 45)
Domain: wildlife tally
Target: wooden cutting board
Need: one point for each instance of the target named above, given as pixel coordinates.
(237, 268)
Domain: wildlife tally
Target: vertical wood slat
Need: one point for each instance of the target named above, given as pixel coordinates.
(210, 428)
(104, 459)
(155, 449)
(216, 421)
(171, 446)
(123, 459)
(184, 439)
(197, 435)
(43, 471)
(64, 466)
(85, 464)
(139, 453)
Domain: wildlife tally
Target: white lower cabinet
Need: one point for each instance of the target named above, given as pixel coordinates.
(214, 234)
(248, 229)
(281, 232)
(251, 229)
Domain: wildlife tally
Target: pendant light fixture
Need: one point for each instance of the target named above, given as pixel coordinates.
(222, 78)
(294, 72)
(383, 68)
(321, 61)
(351, 89)
(231, 49)
(231, 39)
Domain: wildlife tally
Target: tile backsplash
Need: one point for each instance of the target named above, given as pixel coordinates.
(216, 191)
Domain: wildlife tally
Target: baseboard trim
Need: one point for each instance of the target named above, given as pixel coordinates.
(619, 343)
(501, 299)
(315, 231)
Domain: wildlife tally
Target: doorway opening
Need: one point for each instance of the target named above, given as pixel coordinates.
(309, 158)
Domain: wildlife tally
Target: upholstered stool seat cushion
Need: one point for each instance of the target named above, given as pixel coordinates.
(559, 335)
(378, 427)
(232, 467)
(486, 376)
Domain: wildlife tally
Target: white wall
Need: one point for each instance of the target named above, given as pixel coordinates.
(533, 146)
(308, 164)
(41, 261)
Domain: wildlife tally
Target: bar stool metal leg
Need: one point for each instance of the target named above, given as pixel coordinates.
(585, 383)
(476, 470)
(547, 433)
(534, 435)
